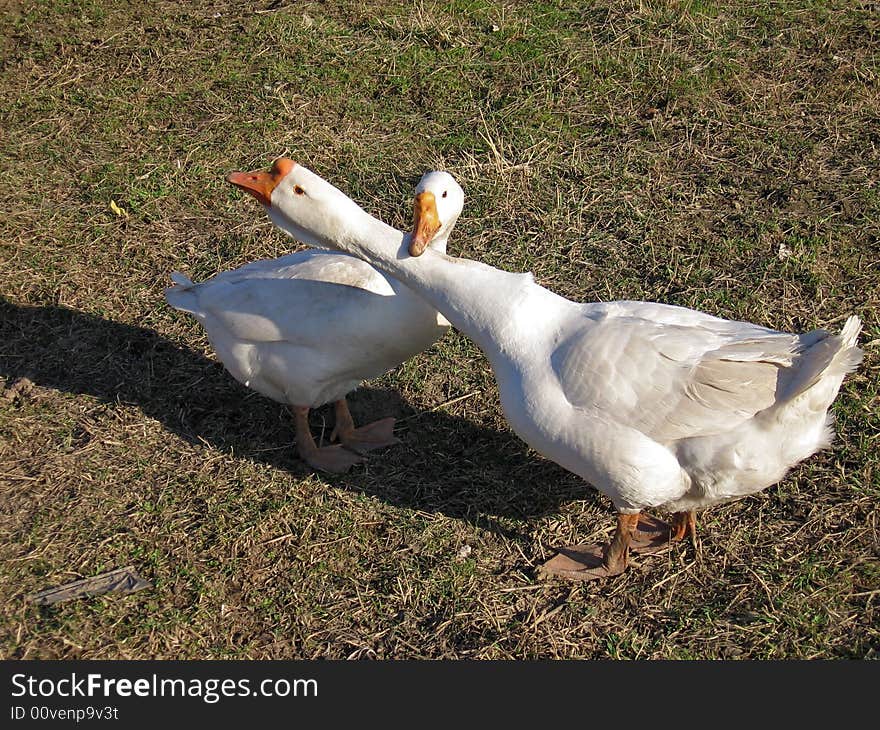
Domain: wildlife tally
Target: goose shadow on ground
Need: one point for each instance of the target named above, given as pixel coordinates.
(445, 464)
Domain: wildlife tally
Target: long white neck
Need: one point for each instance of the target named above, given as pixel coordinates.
(477, 299)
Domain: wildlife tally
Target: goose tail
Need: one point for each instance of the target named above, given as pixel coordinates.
(827, 360)
(181, 295)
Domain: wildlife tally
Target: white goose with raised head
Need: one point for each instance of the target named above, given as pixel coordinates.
(656, 406)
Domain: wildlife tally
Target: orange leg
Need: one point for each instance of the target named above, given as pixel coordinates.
(684, 524)
(653, 535)
(616, 553)
(374, 435)
(329, 458)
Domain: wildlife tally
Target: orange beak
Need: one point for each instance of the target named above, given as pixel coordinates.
(260, 183)
(425, 223)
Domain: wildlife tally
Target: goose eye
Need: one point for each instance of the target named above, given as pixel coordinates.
(445, 193)
(298, 190)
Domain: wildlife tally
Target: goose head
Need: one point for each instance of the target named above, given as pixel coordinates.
(300, 202)
(438, 202)
(313, 211)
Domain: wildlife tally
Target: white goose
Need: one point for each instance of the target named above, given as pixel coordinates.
(307, 328)
(657, 406)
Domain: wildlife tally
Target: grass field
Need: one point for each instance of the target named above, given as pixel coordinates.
(719, 155)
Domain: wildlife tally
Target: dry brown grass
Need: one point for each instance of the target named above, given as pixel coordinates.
(717, 155)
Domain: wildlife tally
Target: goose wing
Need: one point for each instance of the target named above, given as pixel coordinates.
(671, 380)
(294, 298)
